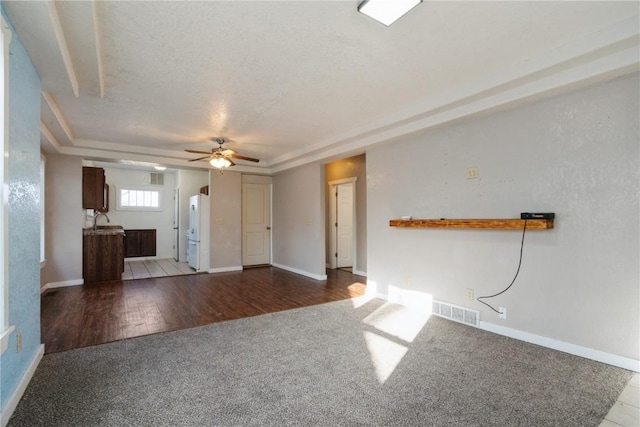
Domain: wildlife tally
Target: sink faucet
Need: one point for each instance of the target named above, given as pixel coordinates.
(95, 219)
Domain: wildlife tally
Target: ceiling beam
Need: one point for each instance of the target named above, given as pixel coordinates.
(46, 133)
(62, 45)
(58, 114)
(98, 43)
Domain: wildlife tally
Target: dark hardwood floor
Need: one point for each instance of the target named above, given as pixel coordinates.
(97, 313)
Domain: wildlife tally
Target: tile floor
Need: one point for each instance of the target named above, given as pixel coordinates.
(626, 411)
(145, 269)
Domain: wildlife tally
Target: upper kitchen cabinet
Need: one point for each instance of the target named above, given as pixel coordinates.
(95, 191)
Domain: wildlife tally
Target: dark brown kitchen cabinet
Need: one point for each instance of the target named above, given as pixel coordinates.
(103, 255)
(95, 191)
(139, 243)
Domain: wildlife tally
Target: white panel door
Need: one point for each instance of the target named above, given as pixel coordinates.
(256, 224)
(344, 228)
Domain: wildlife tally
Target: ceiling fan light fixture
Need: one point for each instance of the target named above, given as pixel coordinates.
(220, 162)
(387, 11)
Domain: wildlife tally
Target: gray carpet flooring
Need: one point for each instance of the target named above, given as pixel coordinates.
(334, 364)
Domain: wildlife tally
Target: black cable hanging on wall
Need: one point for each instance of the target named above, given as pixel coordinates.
(524, 230)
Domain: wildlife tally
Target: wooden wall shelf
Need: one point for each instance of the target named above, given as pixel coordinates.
(495, 224)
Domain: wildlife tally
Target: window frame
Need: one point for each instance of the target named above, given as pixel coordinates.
(151, 188)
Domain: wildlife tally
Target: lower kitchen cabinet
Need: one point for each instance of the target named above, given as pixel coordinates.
(103, 256)
(139, 243)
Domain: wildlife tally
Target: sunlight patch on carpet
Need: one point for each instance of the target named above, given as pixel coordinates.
(385, 354)
(398, 321)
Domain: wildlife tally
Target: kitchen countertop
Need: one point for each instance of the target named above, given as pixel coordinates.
(103, 230)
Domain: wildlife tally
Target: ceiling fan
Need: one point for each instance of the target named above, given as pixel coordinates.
(219, 157)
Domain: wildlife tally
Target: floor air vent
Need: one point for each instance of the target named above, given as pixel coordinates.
(456, 313)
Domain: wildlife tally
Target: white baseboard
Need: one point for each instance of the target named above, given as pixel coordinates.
(62, 284)
(12, 401)
(401, 296)
(302, 272)
(576, 350)
(360, 273)
(225, 269)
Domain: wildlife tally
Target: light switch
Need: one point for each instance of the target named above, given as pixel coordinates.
(472, 173)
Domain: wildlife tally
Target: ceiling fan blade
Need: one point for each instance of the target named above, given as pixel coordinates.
(199, 158)
(230, 161)
(250, 159)
(227, 152)
(197, 152)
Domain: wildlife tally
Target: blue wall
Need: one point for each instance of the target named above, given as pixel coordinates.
(24, 216)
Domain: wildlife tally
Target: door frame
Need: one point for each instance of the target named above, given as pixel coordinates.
(333, 243)
(176, 224)
(252, 180)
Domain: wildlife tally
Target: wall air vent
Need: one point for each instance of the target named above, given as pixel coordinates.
(456, 313)
(156, 178)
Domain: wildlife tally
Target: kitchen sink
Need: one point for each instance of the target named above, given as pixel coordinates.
(109, 227)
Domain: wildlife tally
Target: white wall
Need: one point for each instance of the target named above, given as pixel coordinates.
(161, 221)
(64, 219)
(226, 220)
(576, 155)
(298, 220)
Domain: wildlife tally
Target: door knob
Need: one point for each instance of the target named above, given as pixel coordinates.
(268, 228)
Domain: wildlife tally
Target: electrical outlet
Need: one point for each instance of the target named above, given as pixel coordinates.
(472, 173)
(503, 312)
(19, 341)
(470, 294)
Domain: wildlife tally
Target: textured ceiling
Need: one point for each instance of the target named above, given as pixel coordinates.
(297, 81)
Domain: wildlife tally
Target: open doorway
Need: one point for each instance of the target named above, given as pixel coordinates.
(346, 214)
(343, 223)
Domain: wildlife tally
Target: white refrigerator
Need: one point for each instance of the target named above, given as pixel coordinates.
(198, 234)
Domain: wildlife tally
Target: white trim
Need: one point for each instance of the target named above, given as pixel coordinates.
(12, 401)
(301, 272)
(5, 40)
(359, 273)
(343, 181)
(4, 338)
(401, 295)
(43, 218)
(225, 269)
(333, 238)
(63, 284)
(576, 350)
